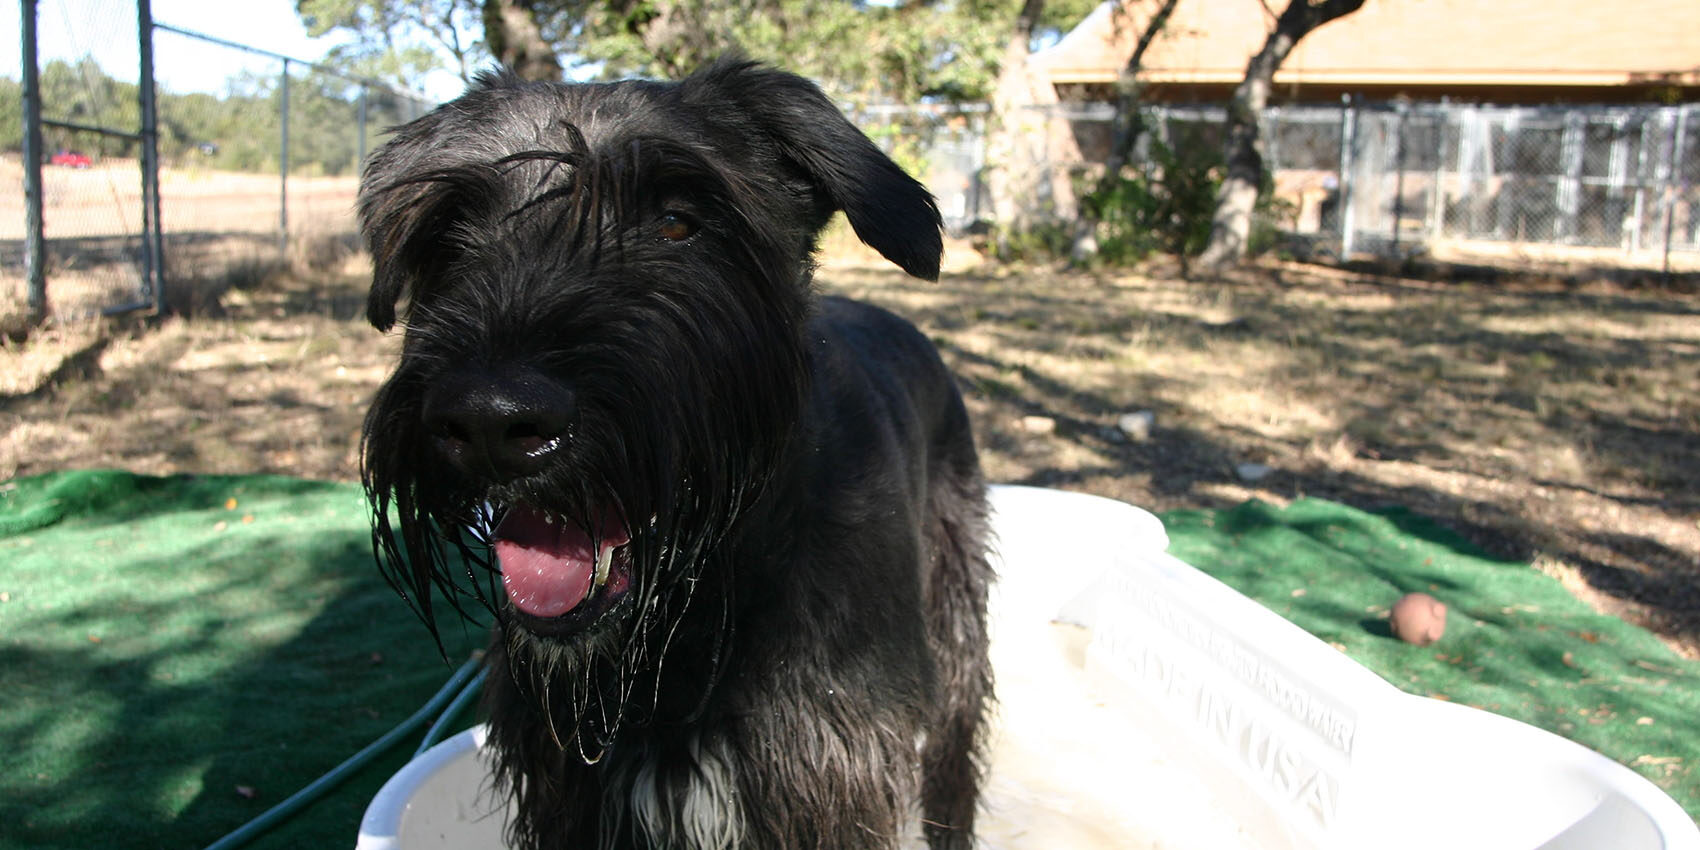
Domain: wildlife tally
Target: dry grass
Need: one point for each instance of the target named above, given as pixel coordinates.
(1551, 424)
(277, 384)
(106, 200)
(217, 224)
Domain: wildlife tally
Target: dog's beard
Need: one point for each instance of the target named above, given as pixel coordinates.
(638, 526)
(604, 670)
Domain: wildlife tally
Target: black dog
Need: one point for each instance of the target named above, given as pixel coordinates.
(733, 535)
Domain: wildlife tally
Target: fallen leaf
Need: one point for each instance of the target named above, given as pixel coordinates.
(1657, 760)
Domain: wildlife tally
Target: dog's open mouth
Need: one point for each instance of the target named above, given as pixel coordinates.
(555, 570)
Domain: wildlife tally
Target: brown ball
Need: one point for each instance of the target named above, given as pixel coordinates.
(1418, 618)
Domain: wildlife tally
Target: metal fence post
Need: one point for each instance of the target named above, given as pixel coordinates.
(283, 164)
(153, 241)
(1469, 133)
(1569, 190)
(1398, 174)
(360, 123)
(35, 241)
(1348, 163)
(1640, 191)
(1674, 179)
(1437, 189)
(1506, 225)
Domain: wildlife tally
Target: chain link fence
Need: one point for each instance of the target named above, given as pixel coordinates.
(85, 152)
(255, 157)
(1573, 184)
(1588, 185)
(262, 172)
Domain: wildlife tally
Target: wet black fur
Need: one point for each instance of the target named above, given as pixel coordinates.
(802, 662)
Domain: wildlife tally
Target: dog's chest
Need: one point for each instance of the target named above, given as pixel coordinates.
(694, 808)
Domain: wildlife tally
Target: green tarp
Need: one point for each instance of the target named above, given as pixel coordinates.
(179, 654)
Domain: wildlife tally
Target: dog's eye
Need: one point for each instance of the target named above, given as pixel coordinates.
(676, 226)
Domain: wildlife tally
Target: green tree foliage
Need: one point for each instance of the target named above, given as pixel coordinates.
(1161, 204)
(400, 42)
(81, 93)
(903, 52)
(1164, 203)
(75, 92)
(11, 114)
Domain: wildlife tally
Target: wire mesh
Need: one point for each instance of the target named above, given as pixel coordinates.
(91, 175)
(259, 157)
(1594, 184)
(260, 161)
(1581, 183)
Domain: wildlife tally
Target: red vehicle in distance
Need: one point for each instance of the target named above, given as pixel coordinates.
(71, 159)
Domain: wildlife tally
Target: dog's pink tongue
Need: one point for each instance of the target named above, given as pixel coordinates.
(547, 567)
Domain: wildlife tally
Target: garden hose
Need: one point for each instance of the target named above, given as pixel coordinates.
(439, 728)
(457, 688)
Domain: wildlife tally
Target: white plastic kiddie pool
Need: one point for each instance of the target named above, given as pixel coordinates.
(1143, 704)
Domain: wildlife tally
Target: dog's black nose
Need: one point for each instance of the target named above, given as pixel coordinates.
(498, 425)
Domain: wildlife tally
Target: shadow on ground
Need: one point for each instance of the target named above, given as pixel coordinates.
(175, 665)
(1544, 423)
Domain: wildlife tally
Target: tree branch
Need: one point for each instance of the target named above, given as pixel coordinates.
(1242, 150)
(1158, 20)
(1127, 127)
(1028, 19)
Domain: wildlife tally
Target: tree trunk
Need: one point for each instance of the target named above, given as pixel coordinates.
(1025, 143)
(1009, 175)
(1230, 227)
(514, 38)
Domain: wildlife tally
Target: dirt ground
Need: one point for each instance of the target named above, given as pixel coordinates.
(1558, 424)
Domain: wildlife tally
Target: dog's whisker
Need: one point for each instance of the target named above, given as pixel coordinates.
(549, 719)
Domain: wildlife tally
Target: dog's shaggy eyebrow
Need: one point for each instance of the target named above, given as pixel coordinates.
(629, 172)
(618, 184)
(577, 200)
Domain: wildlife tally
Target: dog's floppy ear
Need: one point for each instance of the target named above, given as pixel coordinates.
(889, 210)
(397, 223)
(413, 191)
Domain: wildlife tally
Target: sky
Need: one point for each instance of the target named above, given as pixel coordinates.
(106, 30)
